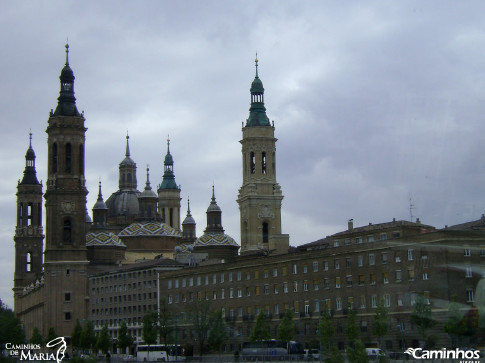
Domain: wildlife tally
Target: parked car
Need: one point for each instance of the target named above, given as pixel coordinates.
(311, 354)
(375, 353)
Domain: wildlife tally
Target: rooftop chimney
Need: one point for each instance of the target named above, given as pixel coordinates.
(350, 224)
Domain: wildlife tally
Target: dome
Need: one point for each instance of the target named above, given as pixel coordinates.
(189, 220)
(127, 161)
(123, 202)
(178, 249)
(103, 239)
(149, 229)
(100, 204)
(67, 74)
(168, 159)
(30, 154)
(147, 193)
(190, 248)
(215, 240)
(257, 86)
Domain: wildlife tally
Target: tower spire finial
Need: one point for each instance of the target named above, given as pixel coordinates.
(188, 206)
(100, 195)
(168, 143)
(213, 193)
(67, 52)
(30, 136)
(127, 144)
(256, 63)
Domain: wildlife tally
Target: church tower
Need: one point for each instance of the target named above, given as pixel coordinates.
(260, 195)
(169, 194)
(66, 261)
(29, 238)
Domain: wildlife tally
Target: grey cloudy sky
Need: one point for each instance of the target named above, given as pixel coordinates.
(373, 102)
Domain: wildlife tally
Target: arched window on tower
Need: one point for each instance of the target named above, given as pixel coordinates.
(67, 231)
(68, 158)
(28, 262)
(128, 177)
(29, 214)
(253, 163)
(171, 217)
(263, 162)
(81, 159)
(54, 158)
(265, 232)
(21, 215)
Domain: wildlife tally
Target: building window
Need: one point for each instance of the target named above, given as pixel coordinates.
(275, 272)
(469, 295)
(256, 290)
(387, 300)
(348, 262)
(372, 259)
(265, 273)
(223, 295)
(54, 158)
(285, 287)
(337, 282)
(305, 285)
(295, 268)
(67, 316)
(370, 238)
(239, 292)
(231, 293)
(338, 303)
(337, 264)
(383, 236)
(326, 283)
(336, 243)
(239, 276)
(230, 277)
(425, 273)
(468, 252)
(398, 275)
(315, 285)
(252, 166)
(191, 281)
(372, 278)
(361, 280)
(169, 299)
(28, 262)
(176, 283)
(276, 309)
(248, 275)
(67, 231)
(315, 266)
(358, 239)
(67, 297)
(275, 288)
(469, 272)
(348, 280)
(248, 291)
(265, 232)
(384, 258)
(360, 260)
(68, 158)
(305, 268)
(206, 279)
(350, 302)
(410, 255)
(325, 265)
(385, 277)
(374, 301)
(221, 278)
(263, 162)
(266, 289)
(411, 274)
(295, 286)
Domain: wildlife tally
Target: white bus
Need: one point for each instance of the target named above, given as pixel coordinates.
(159, 353)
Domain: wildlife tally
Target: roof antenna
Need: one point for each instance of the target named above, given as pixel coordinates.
(411, 207)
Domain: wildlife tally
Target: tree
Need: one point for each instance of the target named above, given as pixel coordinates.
(76, 335)
(380, 328)
(103, 341)
(356, 352)
(200, 315)
(261, 328)
(36, 337)
(421, 315)
(149, 330)
(165, 321)
(11, 329)
(125, 340)
(325, 331)
(217, 332)
(51, 334)
(453, 325)
(88, 337)
(286, 329)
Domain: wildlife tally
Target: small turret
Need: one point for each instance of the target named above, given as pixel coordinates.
(188, 226)
(99, 210)
(257, 111)
(66, 105)
(147, 201)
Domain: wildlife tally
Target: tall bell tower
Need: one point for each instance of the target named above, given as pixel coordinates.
(260, 195)
(29, 237)
(66, 261)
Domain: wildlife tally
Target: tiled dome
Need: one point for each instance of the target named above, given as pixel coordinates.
(103, 239)
(149, 229)
(215, 239)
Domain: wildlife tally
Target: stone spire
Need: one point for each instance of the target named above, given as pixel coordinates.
(30, 176)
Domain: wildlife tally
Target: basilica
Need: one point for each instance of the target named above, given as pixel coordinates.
(134, 252)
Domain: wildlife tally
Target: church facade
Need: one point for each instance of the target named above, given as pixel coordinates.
(136, 254)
